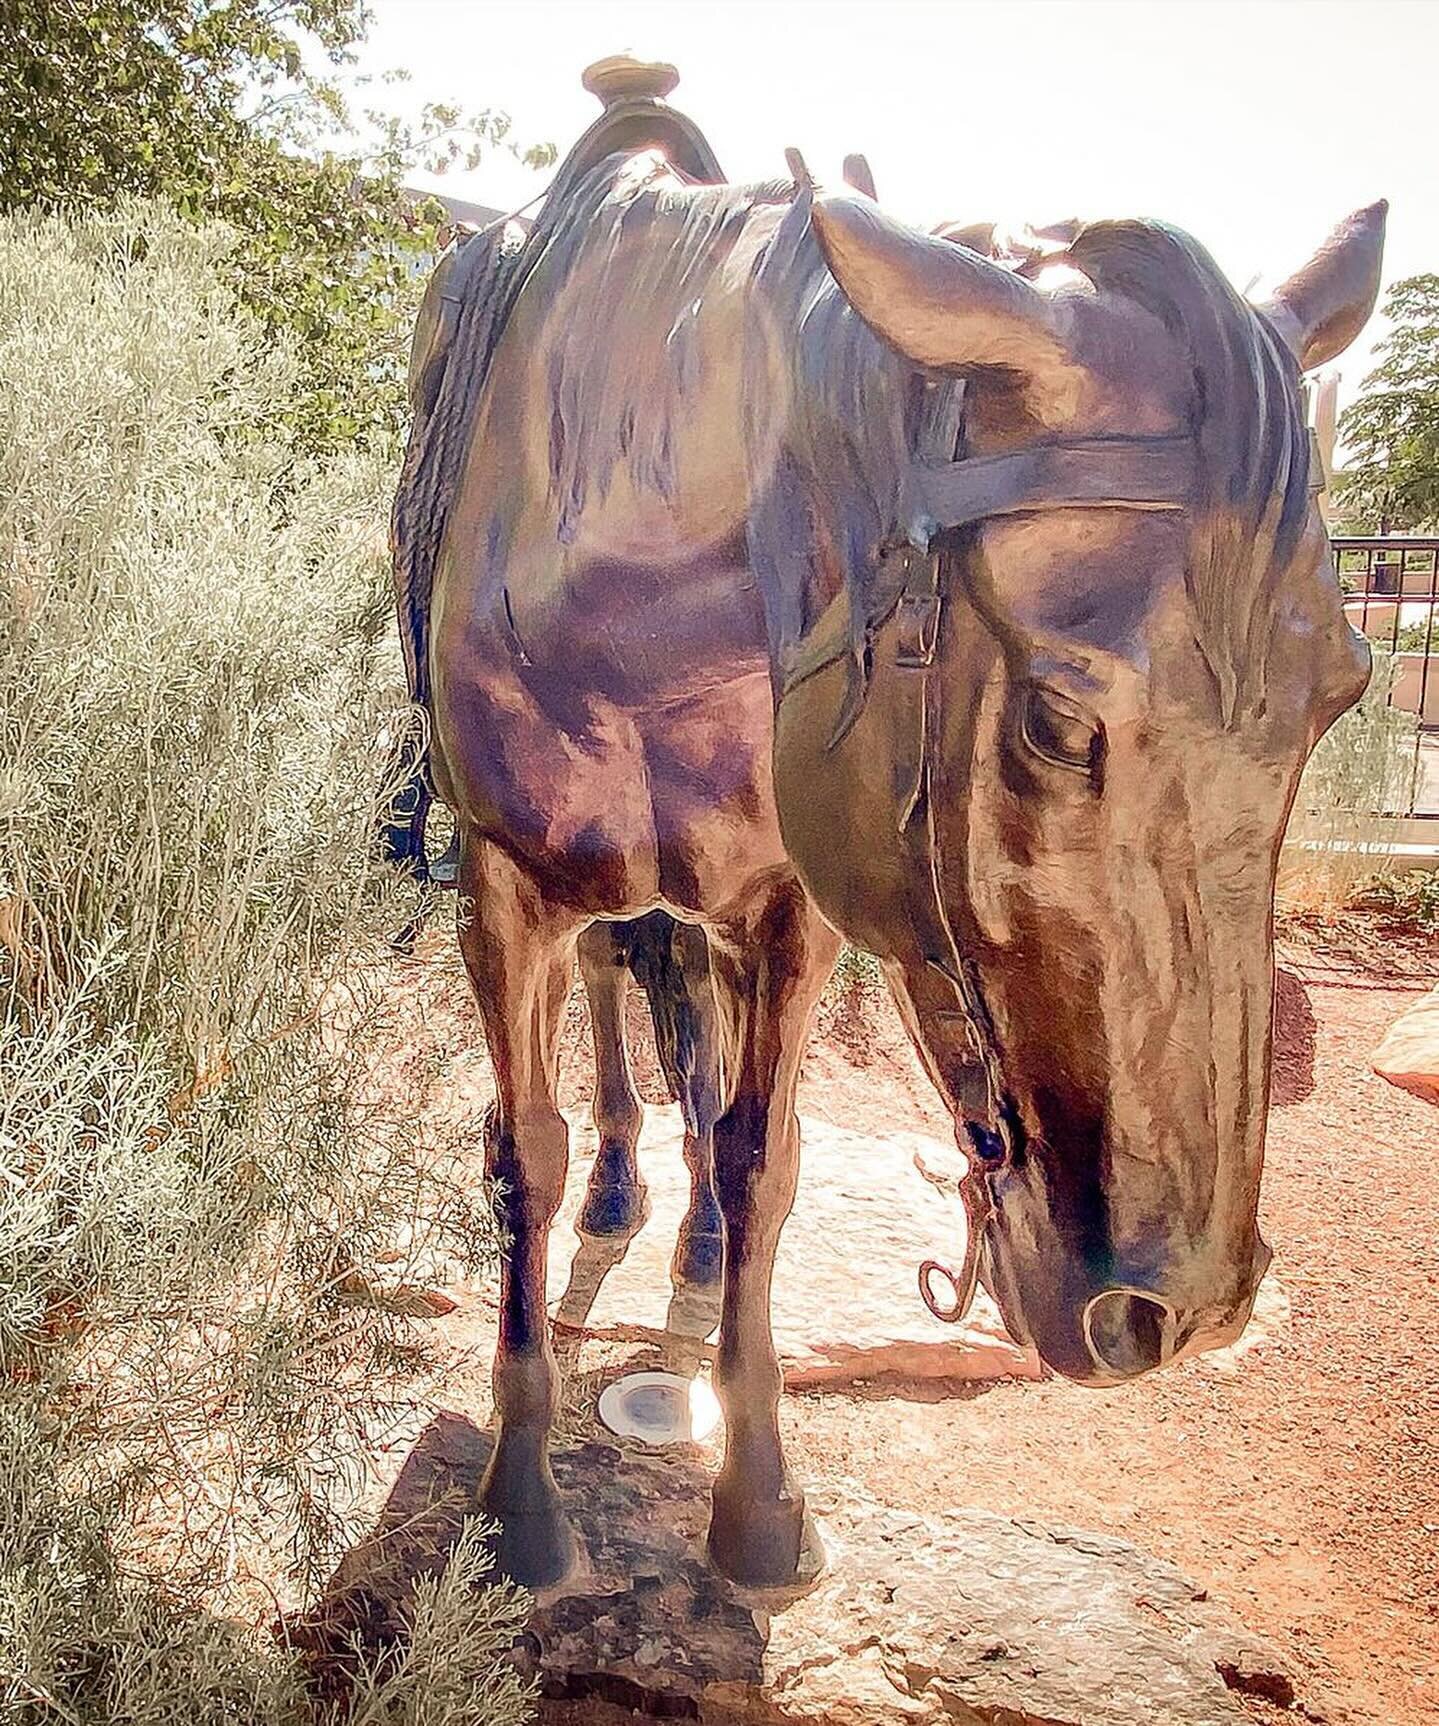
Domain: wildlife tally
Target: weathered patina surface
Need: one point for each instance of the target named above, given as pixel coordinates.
(718, 626)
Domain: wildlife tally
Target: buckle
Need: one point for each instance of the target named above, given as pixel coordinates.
(918, 610)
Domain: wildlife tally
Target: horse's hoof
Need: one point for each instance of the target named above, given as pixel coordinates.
(698, 1261)
(534, 1548)
(616, 1201)
(532, 1541)
(403, 940)
(774, 1544)
(445, 870)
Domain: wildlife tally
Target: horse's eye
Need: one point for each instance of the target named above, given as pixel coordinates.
(1058, 731)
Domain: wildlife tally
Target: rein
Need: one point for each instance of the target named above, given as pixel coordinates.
(940, 493)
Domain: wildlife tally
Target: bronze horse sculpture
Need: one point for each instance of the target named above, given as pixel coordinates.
(803, 575)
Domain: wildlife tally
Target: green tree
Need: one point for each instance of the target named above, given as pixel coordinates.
(1392, 481)
(247, 110)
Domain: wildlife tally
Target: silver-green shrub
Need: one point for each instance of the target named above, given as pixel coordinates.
(213, 1205)
(1344, 822)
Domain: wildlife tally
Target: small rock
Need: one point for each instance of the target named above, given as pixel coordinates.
(1409, 1054)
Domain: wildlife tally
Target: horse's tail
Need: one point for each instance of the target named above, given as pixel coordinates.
(670, 962)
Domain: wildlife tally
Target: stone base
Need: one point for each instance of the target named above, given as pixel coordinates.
(960, 1616)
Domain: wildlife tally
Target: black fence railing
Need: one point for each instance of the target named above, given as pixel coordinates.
(1391, 594)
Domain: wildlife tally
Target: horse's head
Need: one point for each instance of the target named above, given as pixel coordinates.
(1128, 698)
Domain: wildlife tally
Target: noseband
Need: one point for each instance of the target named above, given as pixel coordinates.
(940, 494)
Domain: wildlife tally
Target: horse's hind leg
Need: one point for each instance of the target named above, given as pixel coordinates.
(519, 956)
(614, 1204)
(769, 973)
(687, 1033)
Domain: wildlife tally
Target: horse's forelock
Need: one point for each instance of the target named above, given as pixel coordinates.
(1253, 501)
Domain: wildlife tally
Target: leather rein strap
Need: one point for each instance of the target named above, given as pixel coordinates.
(939, 496)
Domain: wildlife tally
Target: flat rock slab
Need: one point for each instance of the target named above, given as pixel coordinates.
(846, 1296)
(959, 1616)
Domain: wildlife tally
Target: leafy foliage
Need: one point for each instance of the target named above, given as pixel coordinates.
(1392, 482)
(216, 1212)
(1417, 638)
(1409, 901)
(217, 107)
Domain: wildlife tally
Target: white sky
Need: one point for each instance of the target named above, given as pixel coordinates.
(1254, 124)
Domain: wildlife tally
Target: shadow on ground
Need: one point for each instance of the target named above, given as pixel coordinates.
(645, 1593)
(1293, 1079)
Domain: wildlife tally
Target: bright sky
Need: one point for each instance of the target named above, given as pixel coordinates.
(1255, 124)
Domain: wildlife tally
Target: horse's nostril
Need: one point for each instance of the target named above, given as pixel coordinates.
(1129, 1333)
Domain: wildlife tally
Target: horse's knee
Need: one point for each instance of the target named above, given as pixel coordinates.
(529, 1154)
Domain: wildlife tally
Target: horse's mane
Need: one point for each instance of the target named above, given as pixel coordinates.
(1253, 465)
(630, 260)
(634, 245)
(826, 494)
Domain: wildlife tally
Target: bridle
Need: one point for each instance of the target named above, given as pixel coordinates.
(943, 492)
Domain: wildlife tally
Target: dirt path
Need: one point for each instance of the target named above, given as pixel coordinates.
(1303, 1486)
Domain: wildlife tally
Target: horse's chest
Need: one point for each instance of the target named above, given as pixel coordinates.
(626, 769)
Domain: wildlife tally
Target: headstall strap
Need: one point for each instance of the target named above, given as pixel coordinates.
(944, 491)
(940, 495)
(917, 616)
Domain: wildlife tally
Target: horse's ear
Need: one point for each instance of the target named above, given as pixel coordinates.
(936, 301)
(857, 173)
(1321, 309)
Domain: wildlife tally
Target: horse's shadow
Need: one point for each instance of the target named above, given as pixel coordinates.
(643, 1595)
(694, 1307)
(1294, 1038)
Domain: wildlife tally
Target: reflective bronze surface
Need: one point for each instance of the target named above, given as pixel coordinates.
(1047, 789)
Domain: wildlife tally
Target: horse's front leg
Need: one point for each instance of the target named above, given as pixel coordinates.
(768, 973)
(519, 952)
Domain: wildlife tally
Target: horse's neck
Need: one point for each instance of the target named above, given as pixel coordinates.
(829, 501)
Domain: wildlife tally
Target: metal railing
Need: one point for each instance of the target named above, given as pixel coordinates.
(1391, 594)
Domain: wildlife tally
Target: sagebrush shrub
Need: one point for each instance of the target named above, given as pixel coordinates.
(1344, 823)
(210, 1202)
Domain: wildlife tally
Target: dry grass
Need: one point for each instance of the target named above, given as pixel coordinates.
(1343, 830)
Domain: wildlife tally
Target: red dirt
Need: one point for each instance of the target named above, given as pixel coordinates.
(1303, 1487)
